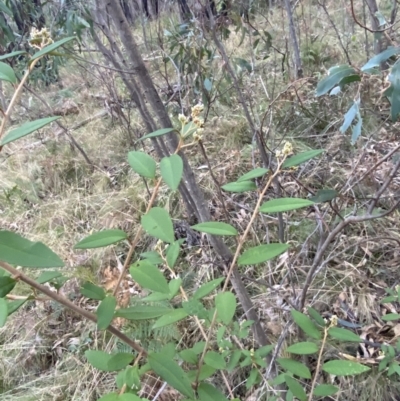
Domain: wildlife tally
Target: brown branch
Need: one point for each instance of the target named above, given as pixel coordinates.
(70, 305)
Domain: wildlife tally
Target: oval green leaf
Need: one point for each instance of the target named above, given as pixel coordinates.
(98, 359)
(48, 49)
(303, 348)
(45, 277)
(261, 253)
(380, 58)
(171, 372)
(301, 158)
(336, 74)
(215, 228)
(158, 224)
(142, 312)
(159, 132)
(17, 250)
(256, 173)
(12, 54)
(92, 291)
(306, 324)
(324, 195)
(105, 312)
(344, 368)
(119, 361)
(215, 360)
(242, 186)
(26, 129)
(207, 288)
(344, 335)
(13, 306)
(101, 239)
(172, 253)
(207, 392)
(390, 316)
(225, 302)
(325, 390)
(296, 388)
(142, 163)
(149, 276)
(6, 285)
(171, 317)
(3, 312)
(295, 367)
(284, 205)
(171, 171)
(7, 73)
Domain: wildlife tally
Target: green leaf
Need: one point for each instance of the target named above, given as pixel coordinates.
(6, 285)
(92, 291)
(207, 288)
(142, 163)
(303, 348)
(215, 228)
(241, 186)
(305, 323)
(350, 116)
(393, 92)
(215, 360)
(101, 239)
(119, 361)
(356, 130)
(12, 54)
(207, 392)
(344, 368)
(105, 312)
(174, 286)
(188, 356)
(225, 302)
(172, 253)
(296, 388)
(234, 360)
(264, 351)
(171, 372)
(316, 316)
(98, 359)
(301, 158)
(159, 132)
(171, 171)
(256, 173)
(324, 195)
(158, 224)
(26, 129)
(45, 277)
(3, 312)
(205, 372)
(335, 75)
(380, 58)
(155, 297)
(108, 362)
(261, 253)
(142, 312)
(390, 316)
(194, 307)
(7, 73)
(149, 276)
(344, 335)
(295, 367)
(173, 316)
(17, 250)
(153, 257)
(13, 306)
(207, 85)
(5, 9)
(284, 205)
(50, 48)
(325, 390)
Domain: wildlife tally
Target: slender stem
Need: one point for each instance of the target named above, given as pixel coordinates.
(19, 275)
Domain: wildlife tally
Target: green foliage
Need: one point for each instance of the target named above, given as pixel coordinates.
(101, 239)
